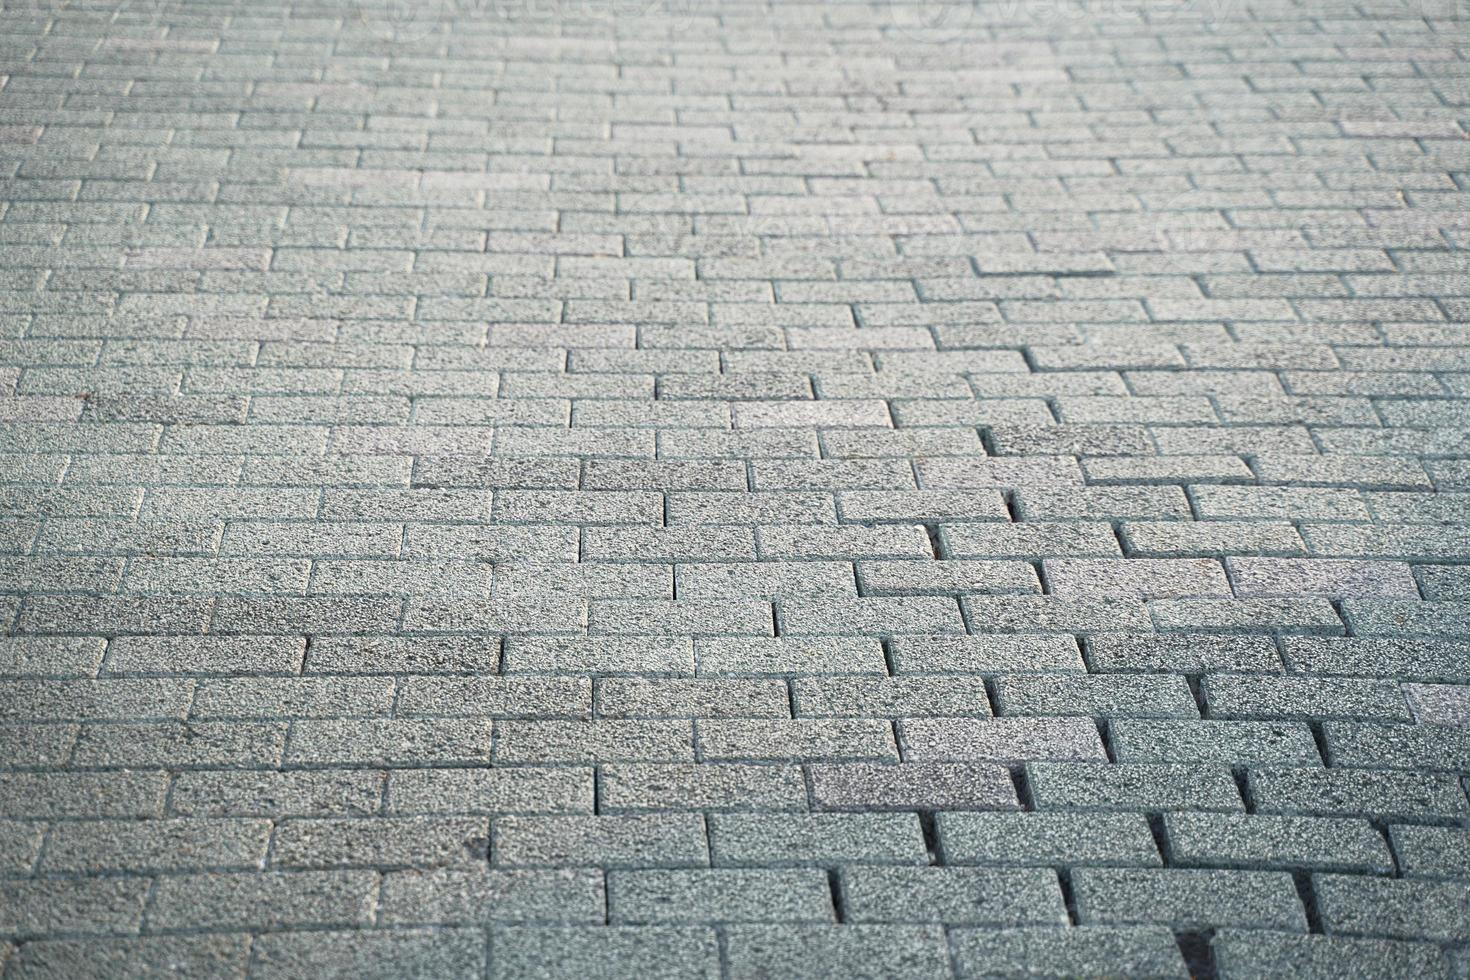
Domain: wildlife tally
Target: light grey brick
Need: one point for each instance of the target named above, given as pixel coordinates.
(1240, 841)
(858, 697)
(517, 789)
(1151, 786)
(805, 738)
(442, 953)
(885, 578)
(990, 653)
(521, 742)
(911, 785)
(789, 655)
(1001, 739)
(1145, 577)
(956, 896)
(475, 895)
(611, 841)
(89, 907)
(1202, 742)
(851, 950)
(1390, 746)
(703, 786)
(1246, 696)
(600, 654)
(869, 616)
(1394, 909)
(1325, 577)
(272, 793)
(155, 845)
(718, 895)
(1111, 695)
(218, 955)
(263, 900)
(1248, 953)
(663, 952)
(745, 840)
(1350, 792)
(1431, 852)
(379, 842)
(691, 698)
(1189, 899)
(1143, 951)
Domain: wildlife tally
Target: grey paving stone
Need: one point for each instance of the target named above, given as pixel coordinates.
(853, 950)
(783, 656)
(529, 742)
(647, 951)
(263, 900)
(955, 896)
(272, 793)
(637, 697)
(718, 895)
(870, 430)
(1111, 695)
(1335, 578)
(604, 655)
(1236, 743)
(1247, 953)
(223, 955)
(946, 577)
(1185, 653)
(1176, 539)
(987, 653)
(1246, 615)
(1049, 614)
(1244, 696)
(50, 656)
(1439, 704)
(825, 839)
(988, 839)
(705, 786)
(440, 952)
(1237, 840)
(155, 845)
(1137, 951)
(1394, 909)
(518, 789)
(1001, 739)
(804, 738)
(633, 840)
(1357, 792)
(1388, 746)
(1144, 786)
(1147, 577)
(388, 742)
(912, 785)
(896, 697)
(1189, 900)
(189, 655)
(78, 906)
(481, 895)
(1028, 539)
(1419, 659)
(386, 842)
(1431, 852)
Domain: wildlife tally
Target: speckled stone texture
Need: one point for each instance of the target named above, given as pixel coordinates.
(715, 488)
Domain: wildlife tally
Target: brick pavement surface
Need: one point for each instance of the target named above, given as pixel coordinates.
(514, 488)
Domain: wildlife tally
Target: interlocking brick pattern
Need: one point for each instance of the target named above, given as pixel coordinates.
(508, 488)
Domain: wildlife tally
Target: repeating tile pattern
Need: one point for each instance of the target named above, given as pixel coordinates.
(718, 488)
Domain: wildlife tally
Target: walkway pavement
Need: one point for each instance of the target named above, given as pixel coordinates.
(566, 488)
